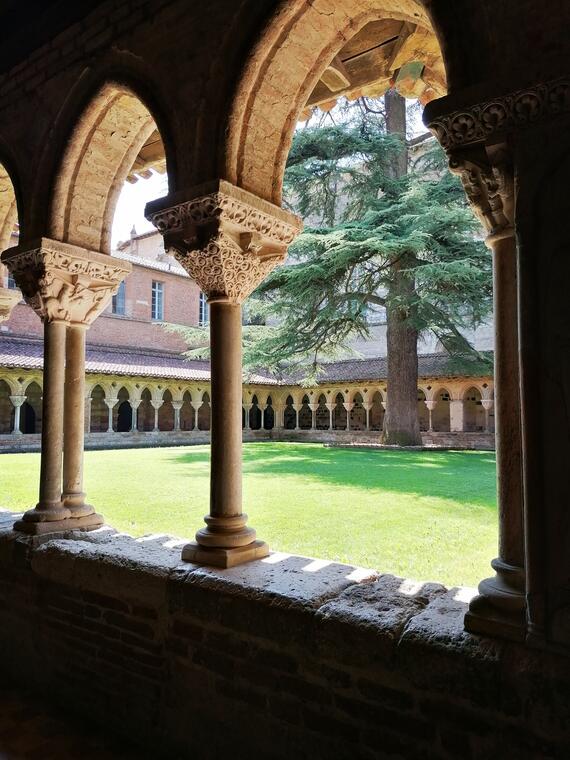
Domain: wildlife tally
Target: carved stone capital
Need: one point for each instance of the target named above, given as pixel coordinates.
(484, 122)
(487, 177)
(227, 239)
(8, 299)
(64, 282)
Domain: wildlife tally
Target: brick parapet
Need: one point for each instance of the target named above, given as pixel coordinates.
(290, 658)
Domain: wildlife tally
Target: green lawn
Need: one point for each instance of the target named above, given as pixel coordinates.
(423, 515)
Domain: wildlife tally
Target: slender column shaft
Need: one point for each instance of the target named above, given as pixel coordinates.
(156, 408)
(52, 418)
(110, 421)
(74, 416)
(226, 401)
(177, 407)
(17, 402)
(133, 417)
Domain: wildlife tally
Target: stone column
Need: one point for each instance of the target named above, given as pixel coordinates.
(313, 408)
(177, 405)
(228, 240)
(367, 407)
(156, 404)
(196, 407)
(134, 407)
(67, 287)
(111, 404)
(330, 407)
(487, 404)
(278, 409)
(487, 176)
(87, 406)
(456, 416)
(17, 402)
(431, 404)
(348, 405)
(248, 408)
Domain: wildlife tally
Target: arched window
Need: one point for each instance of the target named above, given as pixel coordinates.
(473, 412)
(166, 412)
(204, 413)
(376, 414)
(322, 414)
(269, 415)
(6, 409)
(289, 415)
(187, 412)
(123, 412)
(305, 414)
(99, 415)
(339, 415)
(441, 415)
(255, 414)
(358, 413)
(145, 413)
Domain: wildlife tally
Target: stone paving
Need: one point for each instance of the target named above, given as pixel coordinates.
(30, 729)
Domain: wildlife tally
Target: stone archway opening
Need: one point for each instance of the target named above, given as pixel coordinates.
(289, 414)
(204, 413)
(358, 413)
(255, 414)
(423, 412)
(166, 412)
(322, 416)
(339, 415)
(187, 412)
(269, 415)
(7, 411)
(123, 412)
(305, 414)
(473, 411)
(441, 414)
(377, 412)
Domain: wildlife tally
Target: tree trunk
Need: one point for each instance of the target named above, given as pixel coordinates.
(401, 423)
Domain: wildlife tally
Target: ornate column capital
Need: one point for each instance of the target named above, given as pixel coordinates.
(8, 299)
(64, 282)
(431, 404)
(17, 400)
(227, 239)
(487, 403)
(111, 402)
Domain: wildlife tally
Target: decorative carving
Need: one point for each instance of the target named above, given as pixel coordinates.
(487, 179)
(228, 240)
(64, 282)
(519, 109)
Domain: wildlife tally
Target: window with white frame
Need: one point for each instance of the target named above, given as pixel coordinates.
(119, 300)
(157, 304)
(204, 312)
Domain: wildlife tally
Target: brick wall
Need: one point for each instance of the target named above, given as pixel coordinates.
(277, 659)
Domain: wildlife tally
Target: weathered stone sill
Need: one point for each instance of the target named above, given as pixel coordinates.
(283, 658)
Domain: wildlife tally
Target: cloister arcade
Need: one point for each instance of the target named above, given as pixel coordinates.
(220, 89)
(117, 405)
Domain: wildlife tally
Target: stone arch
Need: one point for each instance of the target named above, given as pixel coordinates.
(123, 412)
(255, 415)
(339, 415)
(204, 412)
(441, 414)
(423, 412)
(269, 415)
(166, 412)
(6, 409)
(113, 126)
(376, 414)
(322, 416)
(31, 410)
(358, 413)
(473, 412)
(305, 414)
(145, 412)
(99, 410)
(289, 59)
(9, 215)
(289, 414)
(187, 412)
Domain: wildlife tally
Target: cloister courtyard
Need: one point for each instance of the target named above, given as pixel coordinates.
(419, 514)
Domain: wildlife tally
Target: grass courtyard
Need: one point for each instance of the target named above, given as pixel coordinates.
(424, 515)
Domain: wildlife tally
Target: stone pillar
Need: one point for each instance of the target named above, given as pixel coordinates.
(278, 409)
(248, 408)
(456, 416)
(177, 407)
(228, 240)
(313, 408)
(488, 178)
(156, 404)
(134, 407)
(348, 405)
(196, 407)
(330, 407)
(431, 404)
(87, 405)
(17, 402)
(67, 287)
(111, 403)
(487, 404)
(367, 407)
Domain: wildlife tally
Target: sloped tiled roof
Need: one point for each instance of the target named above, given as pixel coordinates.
(171, 266)
(27, 353)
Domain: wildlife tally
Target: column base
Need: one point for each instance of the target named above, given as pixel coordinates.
(89, 522)
(224, 557)
(500, 608)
